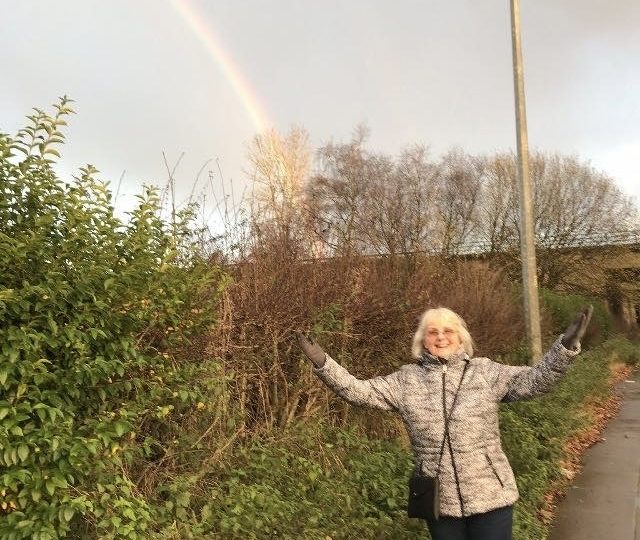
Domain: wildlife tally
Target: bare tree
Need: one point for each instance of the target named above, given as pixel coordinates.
(364, 202)
(576, 207)
(280, 167)
(336, 194)
(416, 176)
(497, 220)
(457, 200)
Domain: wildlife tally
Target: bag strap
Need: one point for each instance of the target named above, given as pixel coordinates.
(446, 416)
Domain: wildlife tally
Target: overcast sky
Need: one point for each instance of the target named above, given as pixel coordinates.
(201, 77)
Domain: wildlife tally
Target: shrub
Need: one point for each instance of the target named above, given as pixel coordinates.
(624, 349)
(363, 310)
(563, 308)
(311, 481)
(92, 312)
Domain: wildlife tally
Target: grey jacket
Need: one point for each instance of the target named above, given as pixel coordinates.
(485, 478)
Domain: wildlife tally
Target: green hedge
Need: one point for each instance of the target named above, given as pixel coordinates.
(625, 350)
(563, 308)
(313, 482)
(93, 313)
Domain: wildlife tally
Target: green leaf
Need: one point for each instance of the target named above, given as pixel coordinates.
(60, 481)
(51, 487)
(54, 326)
(23, 452)
(21, 390)
(120, 428)
(4, 373)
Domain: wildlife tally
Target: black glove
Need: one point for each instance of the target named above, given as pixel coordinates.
(575, 332)
(311, 349)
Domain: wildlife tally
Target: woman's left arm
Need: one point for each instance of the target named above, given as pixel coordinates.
(514, 383)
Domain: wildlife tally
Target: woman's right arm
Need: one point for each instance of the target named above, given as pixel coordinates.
(380, 392)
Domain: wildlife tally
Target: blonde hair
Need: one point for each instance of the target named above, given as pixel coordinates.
(441, 313)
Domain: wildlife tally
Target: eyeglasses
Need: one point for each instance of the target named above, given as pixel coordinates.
(435, 332)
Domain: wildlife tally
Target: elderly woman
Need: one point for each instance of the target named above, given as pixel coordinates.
(462, 483)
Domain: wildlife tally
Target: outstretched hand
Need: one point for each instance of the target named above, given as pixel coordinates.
(311, 349)
(575, 331)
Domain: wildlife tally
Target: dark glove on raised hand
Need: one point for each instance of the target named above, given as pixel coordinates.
(311, 349)
(575, 332)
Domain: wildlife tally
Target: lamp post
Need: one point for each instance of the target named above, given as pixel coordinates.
(527, 243)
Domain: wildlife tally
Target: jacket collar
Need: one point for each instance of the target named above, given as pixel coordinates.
(428, 359)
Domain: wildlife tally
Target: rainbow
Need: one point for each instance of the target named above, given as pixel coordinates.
(242, 88)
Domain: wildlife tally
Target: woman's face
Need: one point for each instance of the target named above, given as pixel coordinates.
(441, 339)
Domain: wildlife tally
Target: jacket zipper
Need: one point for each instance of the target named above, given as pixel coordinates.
(448, 437)
(494, 470)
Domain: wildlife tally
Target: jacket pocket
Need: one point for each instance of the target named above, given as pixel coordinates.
(495, 472)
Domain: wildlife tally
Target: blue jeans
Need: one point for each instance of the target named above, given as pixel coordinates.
(493, 525)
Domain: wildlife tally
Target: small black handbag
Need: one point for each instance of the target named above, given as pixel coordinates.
(424, 491)
(424, 497)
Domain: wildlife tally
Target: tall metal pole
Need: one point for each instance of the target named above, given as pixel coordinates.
(527, 243)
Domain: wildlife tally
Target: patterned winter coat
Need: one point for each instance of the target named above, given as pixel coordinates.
(485, 479)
